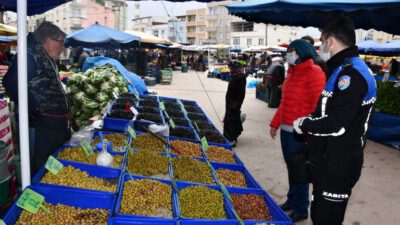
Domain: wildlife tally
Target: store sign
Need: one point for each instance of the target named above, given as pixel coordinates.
(30, 201)
(53, 165)
(87, 147)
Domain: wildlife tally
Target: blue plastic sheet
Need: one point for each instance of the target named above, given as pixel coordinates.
(132, 78)
(385, 129)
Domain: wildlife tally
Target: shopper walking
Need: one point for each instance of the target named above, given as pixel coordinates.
(274, 80)
(48, 106)
(233, 103)
(300, 92)
(337, 128)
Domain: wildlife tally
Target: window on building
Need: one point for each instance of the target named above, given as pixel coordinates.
(201, 29)
(76, 12)
(162, 33)
(242, 27)
(155, 32)
(236, 41)
(200, 18)
(249, 41)
(279, 40)
(261, 41)
(275, 28)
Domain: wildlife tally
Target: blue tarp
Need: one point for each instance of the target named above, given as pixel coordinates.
(384, 128)
(372, 48)
(131, 78)
(100, 36)
(34, 6)
(367, 14)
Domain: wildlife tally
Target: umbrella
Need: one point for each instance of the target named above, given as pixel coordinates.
(7, 41)
(34, 6)
(99, 36)
(367, 14)
(148, 38)
(6, 30)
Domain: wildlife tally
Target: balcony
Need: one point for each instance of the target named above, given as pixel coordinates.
(75, 21)
(212, 17)
(211, 29)
(191, 23)
(191, 34)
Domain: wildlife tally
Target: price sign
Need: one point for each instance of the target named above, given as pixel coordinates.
(133, 110)
(166, 114)
(172, 123)
(204, 143)
(86, 147)
(195, 124)
(162, 106)
(30, 201)
(115, 94)
(53, 165)
(2, 222)
(132, 132)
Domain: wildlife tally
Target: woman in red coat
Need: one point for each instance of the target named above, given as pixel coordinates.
(300, 93)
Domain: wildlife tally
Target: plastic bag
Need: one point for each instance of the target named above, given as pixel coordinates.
(162, 130)
(84, 133)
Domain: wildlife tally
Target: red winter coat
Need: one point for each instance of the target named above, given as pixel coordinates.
(300, 93)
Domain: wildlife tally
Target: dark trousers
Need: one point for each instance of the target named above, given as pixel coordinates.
(331, 194)
(297, 196)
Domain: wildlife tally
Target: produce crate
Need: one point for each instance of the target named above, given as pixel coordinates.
(225, 144)
(77, 198)
(195, 136)
(166, 76)
(81, 163)
(119, 200)
(237, 159)
(190, 182)
(99, 145)
(127, 221)
(210, 222)
(195, 142)
(227, 206)
(250, 181)
(276, 212)
(94, 171)
(118, 125)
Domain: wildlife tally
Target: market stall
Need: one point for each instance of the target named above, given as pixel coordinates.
(218, 59)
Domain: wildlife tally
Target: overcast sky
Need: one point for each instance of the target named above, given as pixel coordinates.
(156, 8)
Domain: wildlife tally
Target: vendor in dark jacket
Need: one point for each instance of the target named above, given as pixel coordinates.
(337, 128)
(48, 105)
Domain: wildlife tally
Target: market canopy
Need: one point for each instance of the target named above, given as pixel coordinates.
(99, 36)
(34, 6)
(372, 48)
(148, 38)
(381, 15)
(8, 41)
(7, 30)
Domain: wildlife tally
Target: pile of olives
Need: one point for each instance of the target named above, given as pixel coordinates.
(147, 197)
(77, 154)
(189, 169)
(220, 154)
(64, 214)
(147, 142)
(231, 178)
(201, 202)
(148, 164)
(73, 177)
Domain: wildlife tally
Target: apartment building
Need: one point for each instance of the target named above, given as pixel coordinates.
(196, 26)
(177, 30)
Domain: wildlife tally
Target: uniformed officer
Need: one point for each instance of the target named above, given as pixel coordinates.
(337, 128)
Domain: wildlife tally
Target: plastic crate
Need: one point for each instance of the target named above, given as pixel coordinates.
(169, 169)
(112, 124)
(94, 171)
(196, 137)
(138, 132)
(119, 200)
(75, 198)
(275, 211)
(97, 133)
(129, 221)
(225, 144)
(250, 181)
(210, 222)
(238, 161)
(195, 142)
(112, 153)
(227, 205)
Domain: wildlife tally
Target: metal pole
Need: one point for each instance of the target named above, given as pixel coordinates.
(23, 93)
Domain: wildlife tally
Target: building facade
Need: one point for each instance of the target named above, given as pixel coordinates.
(196, 26)
(120, 8)
(146, 24)
(219, 23)
(245, 34)
(75, 15)
(177, 30)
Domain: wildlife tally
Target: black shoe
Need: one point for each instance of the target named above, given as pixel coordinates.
(285, 207)
(233, 143)
(295, 217)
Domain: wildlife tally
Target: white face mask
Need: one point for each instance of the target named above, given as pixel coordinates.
(324, 55)
(291, 58)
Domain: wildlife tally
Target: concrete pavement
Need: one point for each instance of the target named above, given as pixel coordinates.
(375, 198)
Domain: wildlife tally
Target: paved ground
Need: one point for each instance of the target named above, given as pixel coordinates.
(376, 197)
